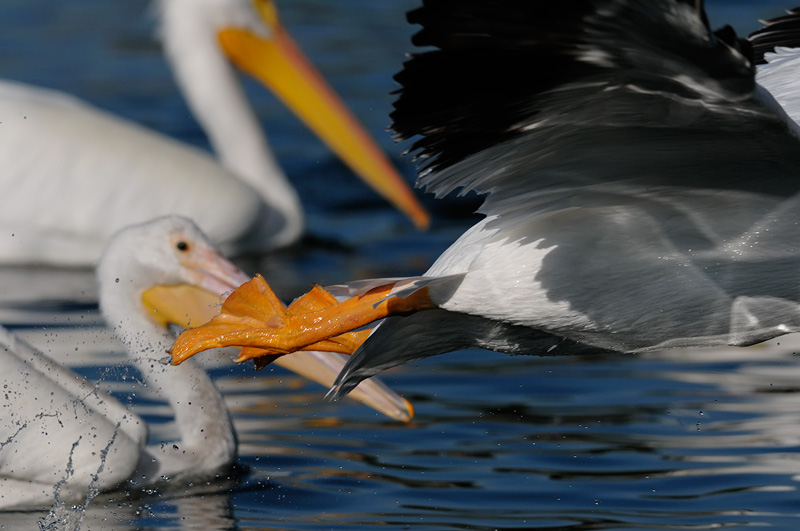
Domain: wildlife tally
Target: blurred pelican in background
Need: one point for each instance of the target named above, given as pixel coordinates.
(73, 174)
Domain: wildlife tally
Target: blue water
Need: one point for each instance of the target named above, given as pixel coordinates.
(674, 440)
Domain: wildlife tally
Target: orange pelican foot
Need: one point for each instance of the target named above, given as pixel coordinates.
(253, 318)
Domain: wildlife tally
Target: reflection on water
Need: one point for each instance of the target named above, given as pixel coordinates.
(212, 512)
(674, 440)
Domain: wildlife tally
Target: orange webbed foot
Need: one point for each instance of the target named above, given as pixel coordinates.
(252, 306)
(254, 318)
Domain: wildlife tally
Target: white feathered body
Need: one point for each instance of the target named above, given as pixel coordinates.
(73, 175)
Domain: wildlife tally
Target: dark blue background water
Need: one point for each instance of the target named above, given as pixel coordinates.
(674, 440)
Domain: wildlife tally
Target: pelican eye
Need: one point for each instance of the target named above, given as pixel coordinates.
(182, 246)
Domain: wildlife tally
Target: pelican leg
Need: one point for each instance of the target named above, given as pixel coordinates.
(346, 343)
(254, 318)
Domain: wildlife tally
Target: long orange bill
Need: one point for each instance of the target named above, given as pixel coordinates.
(190, 305)
(274, 59)
(254, 318)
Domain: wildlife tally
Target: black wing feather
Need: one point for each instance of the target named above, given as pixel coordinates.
(779, 31)
(474, 88)
(502, 71)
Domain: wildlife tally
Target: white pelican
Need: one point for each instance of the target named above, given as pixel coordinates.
(73, 174)
(641, 191)
(62, 437)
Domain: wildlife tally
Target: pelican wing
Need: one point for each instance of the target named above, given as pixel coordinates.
(57, 429)
(546, 106)
(777, 32)
(402, 339)
(642, 189)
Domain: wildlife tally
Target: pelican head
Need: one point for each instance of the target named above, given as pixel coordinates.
(169, 251)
